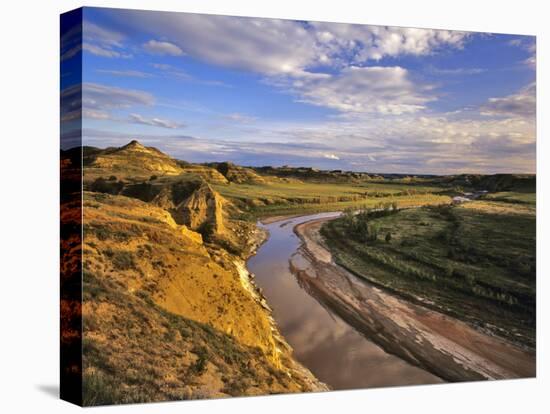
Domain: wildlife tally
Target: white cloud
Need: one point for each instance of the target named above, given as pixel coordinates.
(320, 62)
(108, 38)
(97, 101)
(407, 144)
(331, 65)
(103, 42)
(529, 44)
(285, 47)
(103, 97)
(531, 61)
(157, 122)
(157, 47)
(95, 114)
(522, 103)
(238, 117)
(179, 74)
(372, 89)
(456, 71)
(71, 42)
(162, 66)
(410, 143)
(126, 73)
(364, 42)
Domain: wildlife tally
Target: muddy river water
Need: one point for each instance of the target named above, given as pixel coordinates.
(330, 348)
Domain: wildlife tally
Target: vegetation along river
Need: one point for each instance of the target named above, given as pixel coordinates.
(333, 350)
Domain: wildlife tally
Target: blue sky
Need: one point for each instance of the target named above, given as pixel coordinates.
(327, 95)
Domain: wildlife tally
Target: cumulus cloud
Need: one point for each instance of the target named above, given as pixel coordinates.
(291, 54)
(382, 123)
(522, 103)
(371, 89)
(261, 45)
(364, 42)
(158, 47)
(279, 47)
(157, 122)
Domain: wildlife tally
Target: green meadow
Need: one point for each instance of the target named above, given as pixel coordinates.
(475, 261)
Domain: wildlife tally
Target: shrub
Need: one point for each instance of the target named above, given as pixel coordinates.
(98, 389)
(199, 366)
(121, 259)
(101, 185)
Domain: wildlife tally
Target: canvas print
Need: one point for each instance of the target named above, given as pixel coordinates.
(256, 206)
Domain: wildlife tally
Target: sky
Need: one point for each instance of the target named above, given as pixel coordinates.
(258, 92)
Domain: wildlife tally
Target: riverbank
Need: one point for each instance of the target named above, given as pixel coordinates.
(447, 347)
(290, 365)
(335, 352)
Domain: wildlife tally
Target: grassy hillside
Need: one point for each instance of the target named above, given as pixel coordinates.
(163, 313)
(278, 198)
(169, 311)
(475, 261)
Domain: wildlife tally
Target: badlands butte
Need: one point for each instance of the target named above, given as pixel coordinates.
(169, 309)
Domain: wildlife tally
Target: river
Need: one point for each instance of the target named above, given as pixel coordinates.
(331, 349)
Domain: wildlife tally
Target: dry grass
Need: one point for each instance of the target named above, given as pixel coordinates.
(165, 317)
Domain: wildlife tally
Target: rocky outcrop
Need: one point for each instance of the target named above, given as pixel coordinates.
(239, 175)
(202, 211)
(210, 175)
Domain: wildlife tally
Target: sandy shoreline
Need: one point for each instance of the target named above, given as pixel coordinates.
(445, 346)
(273, 219)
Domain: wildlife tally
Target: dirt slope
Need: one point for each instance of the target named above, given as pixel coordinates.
(168, 317)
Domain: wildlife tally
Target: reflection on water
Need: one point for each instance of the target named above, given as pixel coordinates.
(336, 353)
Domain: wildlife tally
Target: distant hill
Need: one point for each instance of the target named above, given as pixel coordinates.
(312, 174)
(137, 161)
(237, 174)
(131, 159)
(494, 182)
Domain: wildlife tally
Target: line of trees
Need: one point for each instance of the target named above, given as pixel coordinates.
(358, 223)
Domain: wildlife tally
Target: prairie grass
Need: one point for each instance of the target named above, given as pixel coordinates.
(472, 263)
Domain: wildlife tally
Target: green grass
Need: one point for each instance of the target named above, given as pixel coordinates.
(261, 200)
(513, 197)
(477, 266)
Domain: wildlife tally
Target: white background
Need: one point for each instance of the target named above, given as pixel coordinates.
(29, 140)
